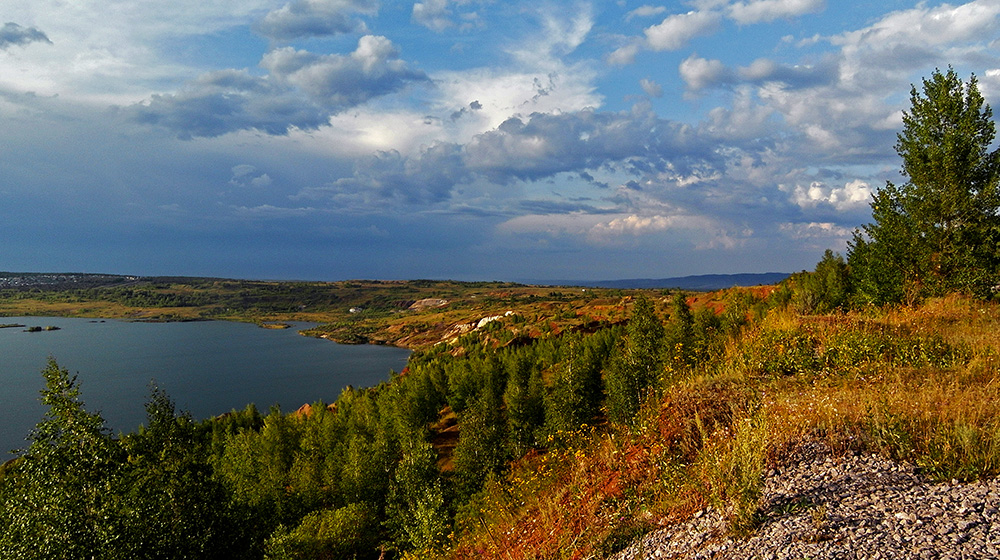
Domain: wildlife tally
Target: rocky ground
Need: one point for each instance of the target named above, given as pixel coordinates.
(859, 506)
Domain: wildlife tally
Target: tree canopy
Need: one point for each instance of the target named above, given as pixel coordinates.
(937, 232)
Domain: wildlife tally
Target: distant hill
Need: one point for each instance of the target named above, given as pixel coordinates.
(701, 283)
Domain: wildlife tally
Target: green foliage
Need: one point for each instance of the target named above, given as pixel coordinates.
(78, 493)
(707, 343)
(735, 469)
(333, 481)
(420, 398)
(780, 352)
(328, 534)
(58, 499)
(770, 352)
(172, 505)
(881, 271)
(936, 233)
(889, 433)
(740, 308)
(576, 390)
(635, 367)
(416, 511)
(825, 289)
(962, 451)
(524, 401)
(481, 448)
(680, 342)
(464, 385)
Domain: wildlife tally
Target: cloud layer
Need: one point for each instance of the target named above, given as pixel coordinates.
(460, 138)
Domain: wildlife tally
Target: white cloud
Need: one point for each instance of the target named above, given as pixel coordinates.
(502, 94)
(513, 130)
(270, 212)
(302, 91)
(977, 20)
(460, 104)
(845, 104)
(760, 11)
(316, 18)
(105, 53)
(573, 224)
(442, 15)
(602, 229)
(645, 11)
(433, 14)
(651, 88)
(560, 34)
(624, 55)
(245, 175)
(339, 81)
(225, 101)
(813, 230)
(632, 225)
(852, 196)
(884, 54)
(701, 73)
(242, 170)
(676, 31)
(745, 119)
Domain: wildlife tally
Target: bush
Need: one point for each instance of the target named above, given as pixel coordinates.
(330, 534)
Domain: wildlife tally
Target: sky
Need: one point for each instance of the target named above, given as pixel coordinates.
(515, 140)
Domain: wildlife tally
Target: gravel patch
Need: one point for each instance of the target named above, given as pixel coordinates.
(858, 506)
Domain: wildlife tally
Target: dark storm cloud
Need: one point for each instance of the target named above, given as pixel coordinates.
(389, 175)
(226, 101)
(559, 207)
(14, 34)
(302, 91)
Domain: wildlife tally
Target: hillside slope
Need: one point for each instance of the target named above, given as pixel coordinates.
(872, 434)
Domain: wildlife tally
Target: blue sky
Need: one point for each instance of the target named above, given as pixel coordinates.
(464, 139)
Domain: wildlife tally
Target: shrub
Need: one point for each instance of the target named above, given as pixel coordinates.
(330, 534)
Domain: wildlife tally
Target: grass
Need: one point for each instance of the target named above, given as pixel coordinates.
(917, 384)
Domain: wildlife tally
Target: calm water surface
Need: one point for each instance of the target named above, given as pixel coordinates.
(207, 368)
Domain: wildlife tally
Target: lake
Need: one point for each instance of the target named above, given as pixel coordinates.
(206, 367)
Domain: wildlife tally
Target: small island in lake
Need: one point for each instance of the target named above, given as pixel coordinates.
(40, 329)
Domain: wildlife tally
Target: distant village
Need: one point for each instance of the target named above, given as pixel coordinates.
(51, 280)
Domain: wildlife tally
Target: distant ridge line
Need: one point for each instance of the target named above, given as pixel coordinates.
(701, 282)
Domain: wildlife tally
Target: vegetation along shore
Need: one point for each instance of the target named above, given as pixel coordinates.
(846, 412)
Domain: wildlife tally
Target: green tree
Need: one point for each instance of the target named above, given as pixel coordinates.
(679, 338)
(524, 400)
(577, 388)
(825, 289)
(416, 509)
(938, 231)
(635, 367)
(59, 501)
(171, 505)
(482, 445)
(330, 534)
